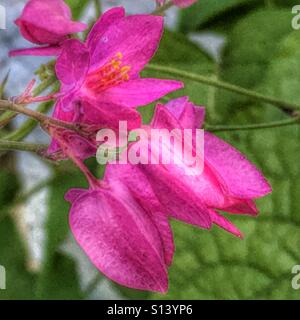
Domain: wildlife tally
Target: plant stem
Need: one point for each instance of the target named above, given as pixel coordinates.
(161, 9)
(98, 8)
(226, 86)
(38, 116)
(93, 285)
(267, 125)
(28, 125)
(21, 146)
(8, 115)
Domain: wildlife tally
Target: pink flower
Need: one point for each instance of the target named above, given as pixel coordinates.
(229, 182)
(47, 23)
(179, 3)
(184, 3)
(122, 222)
(124, 241)
(100, 80)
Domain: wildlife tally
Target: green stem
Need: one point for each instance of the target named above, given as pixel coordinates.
(21, 146)
(38, 116)
(8, 115)
(28, 125)
(93, 285)
(3, 85)
(98, 8)
(161, 9)
(225, 86)
(267, 125)
(43, 86)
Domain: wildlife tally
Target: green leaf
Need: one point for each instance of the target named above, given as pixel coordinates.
(221, 15)
(58, 278)
(19, 282)
(77, 7)
(177, 51)
(8, 187)
(251, 46)
(215, 265)
(206, 10)
(59, 281)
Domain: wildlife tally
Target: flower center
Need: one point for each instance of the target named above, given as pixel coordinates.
(108, 75)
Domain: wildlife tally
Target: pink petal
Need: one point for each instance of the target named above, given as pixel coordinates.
(136, 37)
(139, 92)
(73, 63)
(238, 176)
(162, 223)
(184, 3)
(204, 185)
(64, 114)
(121, 240)
(131, 176)
(47, 22)
(73, 194)
(176, 197)
(222, 222)
(109, 18)
(108, 115)
(163, 119)
(240, 206)
(189, 115)
(42, 51)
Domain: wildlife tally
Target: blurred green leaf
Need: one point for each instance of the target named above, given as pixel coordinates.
(250, 49)
(206, 10)
(177, 51)
(220, 15)
(19, 282)
(8, 187)
(77, 7)
(58, 278)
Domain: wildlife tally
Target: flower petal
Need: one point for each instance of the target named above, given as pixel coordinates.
(222, 222)
(63, 114)
(108, 115)
(238, 176)
(73, 194)
(184, 3)
(240, 206)
(102, 25)
(139, 92)
(120, 241)
(189, 115)
(42, 51)
(73, 63)
(136, 37)
(132, 177)
(47, 22)
(176, 197)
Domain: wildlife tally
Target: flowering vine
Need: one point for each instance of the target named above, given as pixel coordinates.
(122, 221)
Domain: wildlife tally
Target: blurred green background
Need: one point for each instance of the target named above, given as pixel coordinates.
(261, 52)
